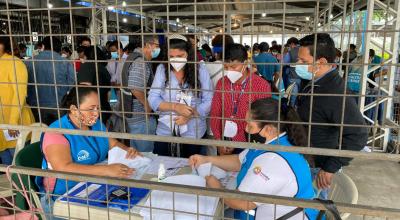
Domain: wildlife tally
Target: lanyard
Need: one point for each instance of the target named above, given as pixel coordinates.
(235, 103)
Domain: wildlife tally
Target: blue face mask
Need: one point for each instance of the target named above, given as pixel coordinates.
(302, 72)
(155, 52)
(114, 55)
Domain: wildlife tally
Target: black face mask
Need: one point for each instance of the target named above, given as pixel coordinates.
(255, 138)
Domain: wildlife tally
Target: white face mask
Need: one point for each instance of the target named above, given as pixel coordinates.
(178, 63)
(233, 75)
(64, 55)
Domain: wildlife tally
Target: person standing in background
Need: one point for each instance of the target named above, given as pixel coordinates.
(55, 74)
(13, 92)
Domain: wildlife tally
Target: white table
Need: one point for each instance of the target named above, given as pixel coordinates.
(81, 211)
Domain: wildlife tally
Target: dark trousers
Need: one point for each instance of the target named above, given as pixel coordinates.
(186, 150)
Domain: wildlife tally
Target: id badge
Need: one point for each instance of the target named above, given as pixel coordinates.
(230, 129)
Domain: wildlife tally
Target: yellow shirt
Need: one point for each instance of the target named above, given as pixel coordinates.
(13, 107)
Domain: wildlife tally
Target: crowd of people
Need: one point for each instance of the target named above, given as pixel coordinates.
(225, 92)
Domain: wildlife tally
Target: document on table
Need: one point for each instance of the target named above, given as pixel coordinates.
(139, 163)
(176, 203)
(208, 169)
(172, 165)
(8, 137)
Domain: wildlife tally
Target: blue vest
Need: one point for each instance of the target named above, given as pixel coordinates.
(86, 150)
(300, 168)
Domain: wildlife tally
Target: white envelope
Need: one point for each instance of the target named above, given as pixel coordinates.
(208, 169)
(118, 155)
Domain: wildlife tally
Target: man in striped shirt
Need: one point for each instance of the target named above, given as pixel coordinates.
(233, 95)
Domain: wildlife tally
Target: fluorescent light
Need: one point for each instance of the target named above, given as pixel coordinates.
(319, 24)
(264, 15)
(331, 16)
(110, 8)
(124, 20)
(4, 23)
(297, 29)
(307, 18)
(220, 30)
(177, 20)
(49, 5)
(124, 4)
(271, 31)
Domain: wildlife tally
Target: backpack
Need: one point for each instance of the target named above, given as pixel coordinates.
(126, 97)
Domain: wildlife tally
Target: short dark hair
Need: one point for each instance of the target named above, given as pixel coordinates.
(352, 46)
(206, 47)
(218, 40)
(76, 96)
(235, 52)
(292, 40)
(56, 44)
(91, 55)
(264, 47)
(326, 46)
(274, 42)
(6, 42)
(85, 38)
(67, 49)
(115, 44)
(371, 52)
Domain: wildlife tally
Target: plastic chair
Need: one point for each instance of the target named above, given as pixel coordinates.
(30, 156)
(24, 135)
(343, 190)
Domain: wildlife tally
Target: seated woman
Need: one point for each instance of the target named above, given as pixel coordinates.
(266, 172)
(184, 91)
(79, 153)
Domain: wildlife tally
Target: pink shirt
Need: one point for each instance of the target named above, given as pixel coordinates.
(48, 140)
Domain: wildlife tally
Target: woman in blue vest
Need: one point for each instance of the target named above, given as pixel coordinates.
(78, 153)
(266, 172)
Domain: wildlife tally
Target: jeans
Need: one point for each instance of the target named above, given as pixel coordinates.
(371, 112)
(143, 128)
(323, 193)
(295, 90)
(7, 156)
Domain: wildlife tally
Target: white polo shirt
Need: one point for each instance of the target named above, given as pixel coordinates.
(276, 178)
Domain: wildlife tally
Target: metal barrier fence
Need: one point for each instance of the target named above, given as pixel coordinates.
(371, 24)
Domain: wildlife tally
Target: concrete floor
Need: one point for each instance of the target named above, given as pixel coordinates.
(378, 184)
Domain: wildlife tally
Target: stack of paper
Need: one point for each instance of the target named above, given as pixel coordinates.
(139, 163)
(208, 169)
(169, 120)
(198, 207)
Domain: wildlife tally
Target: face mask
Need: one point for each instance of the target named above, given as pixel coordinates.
(256, 54)
(274, 53)
(114, 55)
(155, 52)
(88, 121)
(234, 75)
(302, 72)
(64, 55)
(178, 63)
(337, 60)
(256, 138)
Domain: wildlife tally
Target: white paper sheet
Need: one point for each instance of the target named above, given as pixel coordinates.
(169, 120)
(182, 202)
(139, 163)
(8, 137)
(172, 165)
(208, 169)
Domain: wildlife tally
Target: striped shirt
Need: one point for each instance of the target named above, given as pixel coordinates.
(227, 93)
(139, 73)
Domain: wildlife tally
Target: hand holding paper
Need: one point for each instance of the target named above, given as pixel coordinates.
(208, 169)
(118, 155)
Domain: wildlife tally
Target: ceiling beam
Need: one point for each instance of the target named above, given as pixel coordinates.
(233, 12)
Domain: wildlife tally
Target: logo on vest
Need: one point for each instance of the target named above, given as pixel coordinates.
(257, 171)
(83, 155)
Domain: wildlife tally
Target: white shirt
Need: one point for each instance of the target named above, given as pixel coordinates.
(114, 68)
(280, 180)
(216, 71)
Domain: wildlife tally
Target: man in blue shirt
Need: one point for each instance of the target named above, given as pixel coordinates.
(267, 64)
(47, 69)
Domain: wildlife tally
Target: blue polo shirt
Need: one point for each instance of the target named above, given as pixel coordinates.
(267, 65)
